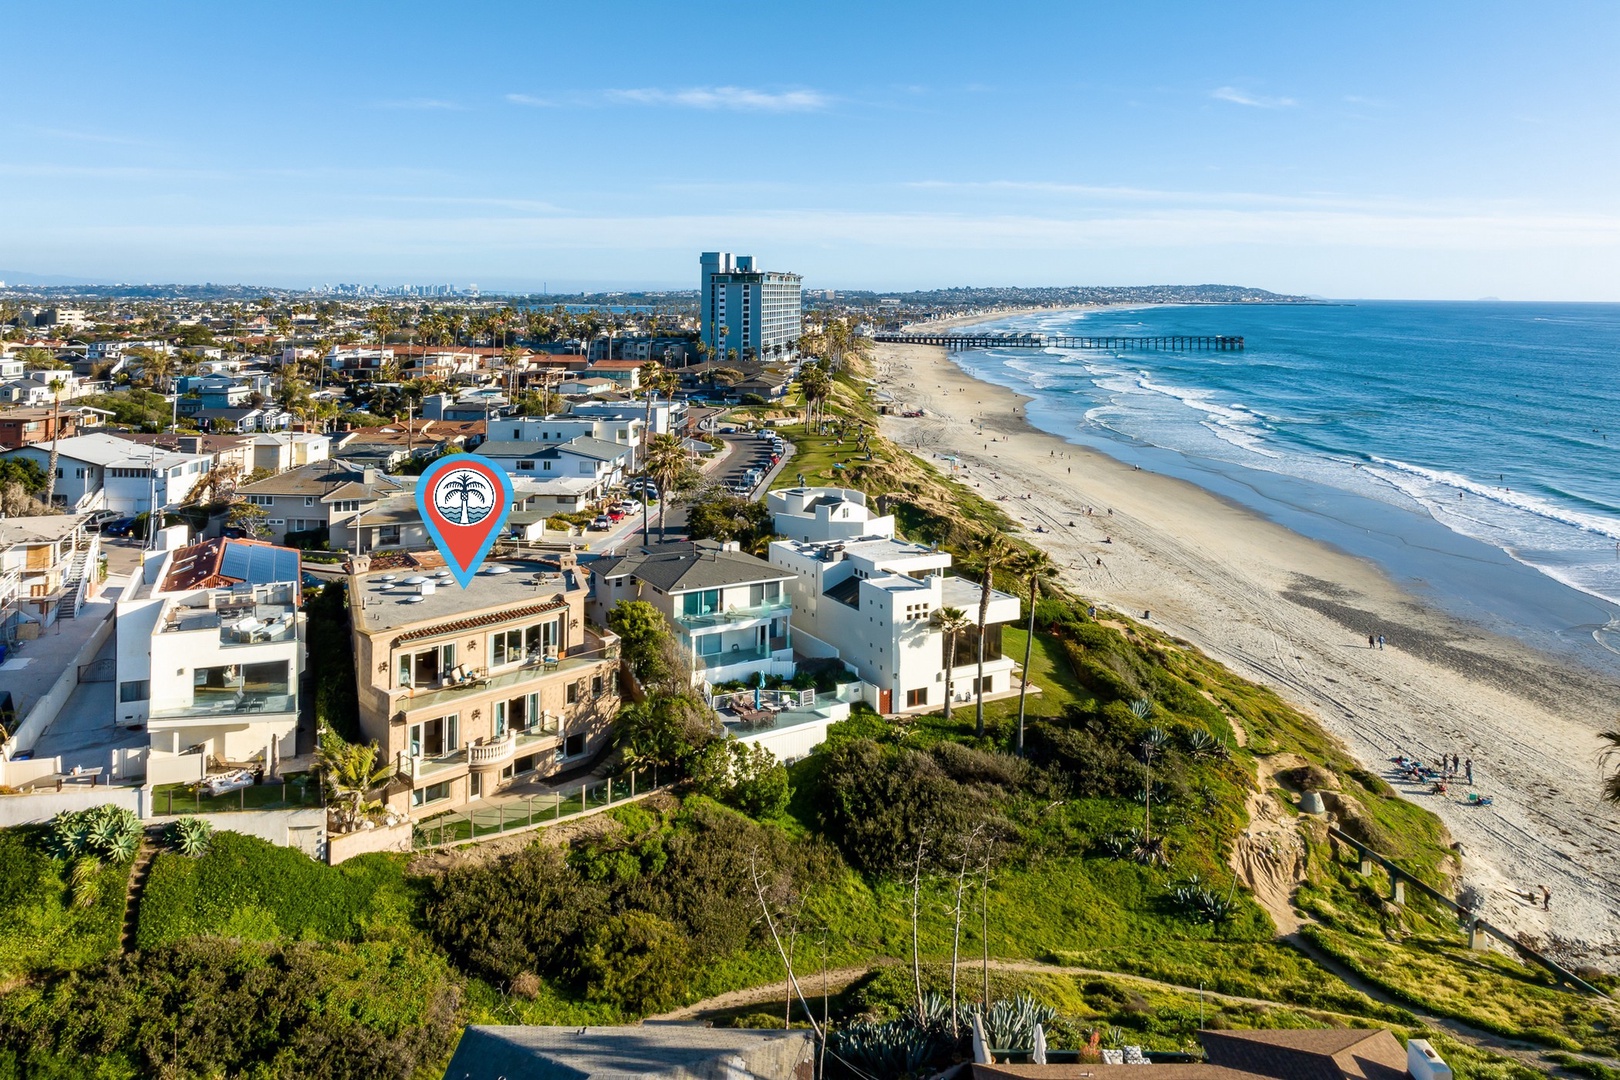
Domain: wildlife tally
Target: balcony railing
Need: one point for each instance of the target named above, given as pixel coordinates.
(485, 755)
(247, 706)
(767, 610)
(532, 671)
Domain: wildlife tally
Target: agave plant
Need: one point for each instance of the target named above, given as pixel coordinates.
(1012, 1023)
(899, 1047)
(190, 836)
(109, 832)
(70, 835)
(1142, 708)
(1202, 744)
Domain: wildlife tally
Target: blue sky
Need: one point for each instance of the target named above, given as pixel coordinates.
(1402, 150)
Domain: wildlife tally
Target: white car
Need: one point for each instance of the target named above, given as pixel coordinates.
(226, 782)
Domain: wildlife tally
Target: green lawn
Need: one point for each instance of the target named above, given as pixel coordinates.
(176, 799)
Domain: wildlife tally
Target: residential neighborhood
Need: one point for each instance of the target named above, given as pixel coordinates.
(730, 646)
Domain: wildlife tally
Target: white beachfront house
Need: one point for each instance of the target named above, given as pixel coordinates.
(869, 601)
(210, 653)
(730, 610)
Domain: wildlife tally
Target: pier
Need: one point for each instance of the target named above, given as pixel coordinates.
(1174, 343)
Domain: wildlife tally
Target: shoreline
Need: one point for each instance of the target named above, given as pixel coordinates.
(1294, 613)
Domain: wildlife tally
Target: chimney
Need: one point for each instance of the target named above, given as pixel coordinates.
(368, 476)
(1422, 1063)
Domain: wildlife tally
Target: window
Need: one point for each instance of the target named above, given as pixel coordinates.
(261, 500)
(505, 647)
(596, 686)
(574, 745)
(987, 684)
(706, 602)
(573, 693)
(134, 690)
(432, 738)
(432, 793)
(425, 669)
(708, 645)
(475, 785)
(526, 466)
(765, 593)
(916, 697)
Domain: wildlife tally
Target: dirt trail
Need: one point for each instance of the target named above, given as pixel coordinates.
(774, 994)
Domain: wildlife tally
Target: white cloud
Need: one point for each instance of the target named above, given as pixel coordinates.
(530, 100)
(1253, 101)
(739, 98)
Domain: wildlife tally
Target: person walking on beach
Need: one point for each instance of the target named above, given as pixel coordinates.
(1546, 898)
(1468, 769)
(1380, 641)
(1369, 641)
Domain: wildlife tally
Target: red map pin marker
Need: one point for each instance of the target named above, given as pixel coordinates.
(464, 500)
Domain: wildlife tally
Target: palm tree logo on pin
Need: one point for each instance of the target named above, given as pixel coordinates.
(463, 496)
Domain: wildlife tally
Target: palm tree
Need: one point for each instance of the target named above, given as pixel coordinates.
(1035, 567)
(665, 462)
(989, 550)
(57, 386)
(950, 621)
(469, 490)
(350, 772)
(1611, 783)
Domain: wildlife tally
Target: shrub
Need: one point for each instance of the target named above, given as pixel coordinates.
(878, 805)
(212, 1007)
(526, 911)
(746, 778)
(636, 961)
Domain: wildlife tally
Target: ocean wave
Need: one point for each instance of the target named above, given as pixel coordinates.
(1517, 500)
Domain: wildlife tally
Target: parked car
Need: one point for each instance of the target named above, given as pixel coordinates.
(233, 533)
(226, 782)
(124, 526)
(100, 518)
(601, 522)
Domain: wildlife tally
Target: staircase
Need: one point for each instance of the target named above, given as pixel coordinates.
(137, 885)
(73, 584)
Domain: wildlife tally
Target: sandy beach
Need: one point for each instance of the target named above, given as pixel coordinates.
(1295, 614)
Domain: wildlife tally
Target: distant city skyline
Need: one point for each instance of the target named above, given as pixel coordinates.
(1443, 151)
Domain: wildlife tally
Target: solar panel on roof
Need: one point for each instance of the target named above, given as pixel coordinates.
(258, 565)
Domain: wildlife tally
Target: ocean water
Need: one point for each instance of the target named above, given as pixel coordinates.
(1471, 449)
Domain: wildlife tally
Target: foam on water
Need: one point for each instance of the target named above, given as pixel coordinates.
(1507, 406)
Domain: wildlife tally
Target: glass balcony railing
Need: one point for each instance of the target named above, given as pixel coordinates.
(242, 706)
(730, 657)
(767, 610)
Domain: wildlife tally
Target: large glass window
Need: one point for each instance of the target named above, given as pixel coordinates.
(708, 645)
(764, 593)
(706, 602)
(428, 667)
(433, 738)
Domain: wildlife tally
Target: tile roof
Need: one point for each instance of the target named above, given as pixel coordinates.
(487, 619)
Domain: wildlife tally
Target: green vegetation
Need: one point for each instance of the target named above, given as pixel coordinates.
(59, 915)
(217, 1007)
(249, 889)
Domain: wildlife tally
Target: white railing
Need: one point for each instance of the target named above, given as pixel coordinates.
(492, 753)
